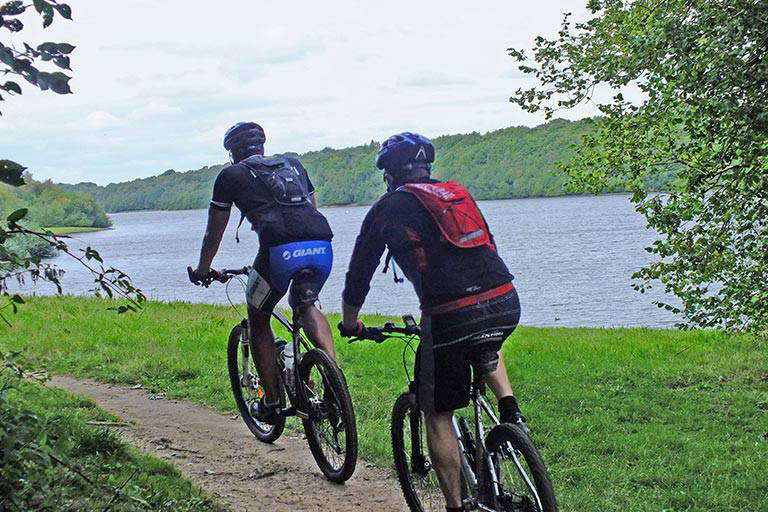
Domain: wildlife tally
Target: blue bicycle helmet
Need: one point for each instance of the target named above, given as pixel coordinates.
(405, 151)
(243, 140)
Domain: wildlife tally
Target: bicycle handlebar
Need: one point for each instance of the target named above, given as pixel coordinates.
(221, 276)
(388, 330)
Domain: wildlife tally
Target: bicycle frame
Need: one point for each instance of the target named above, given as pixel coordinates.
(298, 341)
(480, 406)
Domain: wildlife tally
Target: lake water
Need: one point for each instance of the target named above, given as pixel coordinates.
(572, 258)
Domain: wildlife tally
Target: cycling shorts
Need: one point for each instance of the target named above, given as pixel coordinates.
(452, 343)
(304, 266)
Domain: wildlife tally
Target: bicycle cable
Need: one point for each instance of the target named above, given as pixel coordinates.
(226, 290)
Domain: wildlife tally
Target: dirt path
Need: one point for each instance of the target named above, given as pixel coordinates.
(221, 456)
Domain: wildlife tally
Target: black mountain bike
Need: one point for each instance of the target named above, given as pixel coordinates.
(500, 471)
(317, 393)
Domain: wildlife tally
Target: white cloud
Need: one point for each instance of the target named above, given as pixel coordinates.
(98, 120)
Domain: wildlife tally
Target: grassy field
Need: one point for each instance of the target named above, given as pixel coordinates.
(52, 459)
(71, 230)
(627, 419)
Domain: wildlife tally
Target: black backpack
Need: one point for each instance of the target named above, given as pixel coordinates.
(291, 217)
(281, 178)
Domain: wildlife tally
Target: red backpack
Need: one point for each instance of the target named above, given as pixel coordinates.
(454, 211)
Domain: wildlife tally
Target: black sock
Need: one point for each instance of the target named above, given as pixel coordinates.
(507, 408)
(454, 509)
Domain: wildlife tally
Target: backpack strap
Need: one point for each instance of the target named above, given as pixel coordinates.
(237, 230)
(387, 262)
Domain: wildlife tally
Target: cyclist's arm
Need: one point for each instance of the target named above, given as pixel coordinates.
(366, 256)
(349, 314)
(214, 231)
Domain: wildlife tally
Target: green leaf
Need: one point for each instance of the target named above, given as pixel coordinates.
(40, 5)
(17, 299)
(6, 55)
(64, 10)
(17, 215)
(65, 48)
(62, 61)
(12, 8)
(11, 173)
(58, 82)
(11, 87)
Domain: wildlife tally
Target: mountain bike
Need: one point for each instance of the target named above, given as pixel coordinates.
(317, 393)
(500, 471)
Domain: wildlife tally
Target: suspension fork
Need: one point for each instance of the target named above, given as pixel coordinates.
(418, 460)
(245, 349)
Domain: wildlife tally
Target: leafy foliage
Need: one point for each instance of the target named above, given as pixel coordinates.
(53, 460)
(702, 72)
(23, 62)
(22, 246)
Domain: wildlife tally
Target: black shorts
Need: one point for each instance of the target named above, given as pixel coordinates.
(452, 343)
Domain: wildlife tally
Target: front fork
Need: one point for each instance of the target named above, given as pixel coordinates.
(246, 379)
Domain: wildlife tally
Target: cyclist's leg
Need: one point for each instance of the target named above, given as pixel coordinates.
(498, 379)
(443, 378)
(444, 452)
(262, 297)
(502, 316)
(317, 328)
(263, 343)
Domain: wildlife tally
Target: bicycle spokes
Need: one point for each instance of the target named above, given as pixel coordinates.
(516, 493)
(324, 414)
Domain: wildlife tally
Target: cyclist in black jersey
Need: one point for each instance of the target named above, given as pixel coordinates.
(277, 197)
(469, 305)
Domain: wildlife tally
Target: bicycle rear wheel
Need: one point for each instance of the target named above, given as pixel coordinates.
(247, 388)
(524, 481)
(331, 427)
(417, 477)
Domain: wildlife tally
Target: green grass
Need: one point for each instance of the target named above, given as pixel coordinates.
(626, 419)
(54, 460)
(71, 230)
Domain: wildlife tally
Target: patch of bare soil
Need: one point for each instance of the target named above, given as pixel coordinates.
(221, 456)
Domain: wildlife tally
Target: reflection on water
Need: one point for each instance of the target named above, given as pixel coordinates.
(572, 258)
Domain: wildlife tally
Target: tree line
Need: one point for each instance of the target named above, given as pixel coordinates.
(48, 205)
(508, 163)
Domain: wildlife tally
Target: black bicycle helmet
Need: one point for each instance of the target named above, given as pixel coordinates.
(243, 140)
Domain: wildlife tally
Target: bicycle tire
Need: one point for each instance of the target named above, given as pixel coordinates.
(340, 410)
(496, 442)
(421, 493)
(263, 432)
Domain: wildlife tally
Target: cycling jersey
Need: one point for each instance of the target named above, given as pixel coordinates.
(276, 224)
(439, 271)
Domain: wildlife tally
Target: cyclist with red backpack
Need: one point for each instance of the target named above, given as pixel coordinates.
(436, 234)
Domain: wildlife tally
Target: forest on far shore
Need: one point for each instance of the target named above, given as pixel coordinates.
(512, 162)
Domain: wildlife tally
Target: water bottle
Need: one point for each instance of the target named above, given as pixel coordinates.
(288, 361)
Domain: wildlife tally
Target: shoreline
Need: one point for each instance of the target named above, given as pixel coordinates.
(72, 230)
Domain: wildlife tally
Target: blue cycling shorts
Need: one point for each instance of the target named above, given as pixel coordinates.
(305, 264)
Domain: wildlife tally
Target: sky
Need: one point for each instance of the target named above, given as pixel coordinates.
(156, 84)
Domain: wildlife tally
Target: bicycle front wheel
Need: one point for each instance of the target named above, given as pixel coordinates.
(418, 478)
(331, 427)
(246, 385)
(524, 483)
